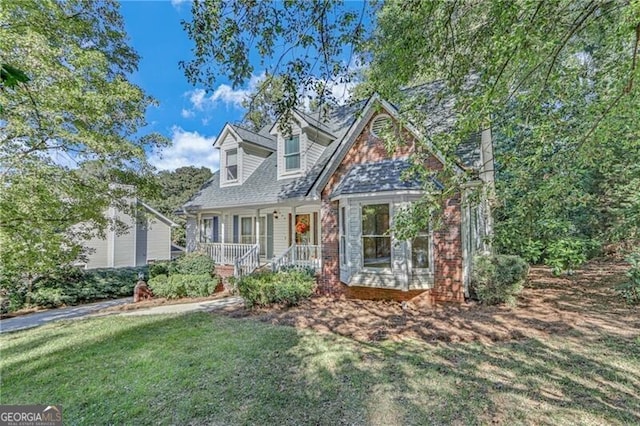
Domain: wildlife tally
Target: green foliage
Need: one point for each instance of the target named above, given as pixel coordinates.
(183, 285)
(176, 187)
(268, 288)
(630, 290)
(308, 270)
(164, 267)
(566, 254)
(71, 286)
(498, 278)
(195, 263)
(69, 105)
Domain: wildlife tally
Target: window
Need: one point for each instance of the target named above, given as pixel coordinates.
(376, 241)
(246, 230)
(292, 153)
(420, 249)
(232, 164)
(342, 218)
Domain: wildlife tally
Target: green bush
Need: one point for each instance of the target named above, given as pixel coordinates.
(304, 269)
(163, 267)
(630, 290)
(498, 278)
(285, 287)
(70, 286)
(566, 254)
(183, 285)
(195, 264)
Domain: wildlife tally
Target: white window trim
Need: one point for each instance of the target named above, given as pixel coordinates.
(226, 165)
(343, 222)
(291, 172)
(422, 271)
(369, 269)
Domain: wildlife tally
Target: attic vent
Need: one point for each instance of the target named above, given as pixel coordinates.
(379, 124)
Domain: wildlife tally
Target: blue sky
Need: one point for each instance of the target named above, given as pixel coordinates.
(187, 115)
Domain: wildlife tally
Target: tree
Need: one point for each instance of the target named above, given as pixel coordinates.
(556, 81)
(176, 187)
(74, 106)
(306, 45)
(261, 104)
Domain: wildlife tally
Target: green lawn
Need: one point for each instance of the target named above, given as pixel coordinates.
(203, 369)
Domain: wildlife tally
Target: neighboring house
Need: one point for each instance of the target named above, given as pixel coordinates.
(324, 193)
(147, 239)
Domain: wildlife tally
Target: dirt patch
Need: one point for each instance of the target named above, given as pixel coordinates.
(582, 305)
(162, 302)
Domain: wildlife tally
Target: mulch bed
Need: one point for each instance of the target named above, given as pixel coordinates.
(582, 305)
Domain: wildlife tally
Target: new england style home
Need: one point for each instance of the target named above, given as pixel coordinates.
(323, 192)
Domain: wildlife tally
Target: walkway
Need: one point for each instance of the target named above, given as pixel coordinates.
(40, 318)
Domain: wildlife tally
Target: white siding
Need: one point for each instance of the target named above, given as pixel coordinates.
(313, 152)
(295, 131)
(250, 162)
(158, 240)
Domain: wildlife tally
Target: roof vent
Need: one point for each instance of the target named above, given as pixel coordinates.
(379, 124)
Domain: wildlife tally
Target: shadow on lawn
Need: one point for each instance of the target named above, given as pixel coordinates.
(199, 369)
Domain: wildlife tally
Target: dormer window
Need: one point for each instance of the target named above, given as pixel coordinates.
(292, 153)
(232, 165)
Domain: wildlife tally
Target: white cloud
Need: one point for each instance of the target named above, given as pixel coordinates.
(187, 113)
(224, 94)
(178, 3)
(186, 149)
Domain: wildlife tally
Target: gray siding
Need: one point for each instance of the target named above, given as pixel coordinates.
(191, 234)
(125, 244)
(313, 152)
(98, 250)
(158, 245)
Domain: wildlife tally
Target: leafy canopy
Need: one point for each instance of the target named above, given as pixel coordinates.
(68, 128)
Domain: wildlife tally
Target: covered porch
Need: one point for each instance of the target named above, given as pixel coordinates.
(274, 236)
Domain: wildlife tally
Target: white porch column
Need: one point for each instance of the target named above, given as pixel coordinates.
(293, 225)
(222, 258)
(257, 236)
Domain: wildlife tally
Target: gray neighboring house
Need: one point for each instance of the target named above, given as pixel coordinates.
(323, 191)
(148, 239)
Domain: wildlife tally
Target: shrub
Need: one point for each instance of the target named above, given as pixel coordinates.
(267, 288)
(498, 278)
(566, 254)
(163, 267)
(195, 264)
(630, 290)
(304, 269)
(183, 285)
(70, 285)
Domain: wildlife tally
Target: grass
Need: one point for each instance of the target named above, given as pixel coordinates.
(204, 369)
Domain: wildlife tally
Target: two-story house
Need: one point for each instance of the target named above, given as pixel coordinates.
(323, 191)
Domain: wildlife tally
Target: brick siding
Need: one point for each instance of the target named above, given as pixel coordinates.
(447, 240)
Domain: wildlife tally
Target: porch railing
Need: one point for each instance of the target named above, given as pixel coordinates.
(225, 253)
(247, 263)
(298, 255)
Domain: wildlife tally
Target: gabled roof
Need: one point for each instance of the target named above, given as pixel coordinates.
(382, 176)
(344, 124)
(246, 135)
(157, 213)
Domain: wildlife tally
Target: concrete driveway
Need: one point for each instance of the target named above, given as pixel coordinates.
(40, 318)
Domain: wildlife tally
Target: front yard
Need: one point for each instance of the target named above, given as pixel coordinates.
(566, 364)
